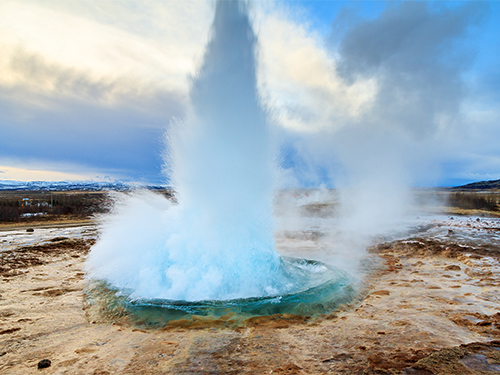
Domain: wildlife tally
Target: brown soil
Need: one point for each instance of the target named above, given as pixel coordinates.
(421, 247)
(16, 262)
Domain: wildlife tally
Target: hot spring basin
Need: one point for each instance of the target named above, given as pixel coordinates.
(318, 289)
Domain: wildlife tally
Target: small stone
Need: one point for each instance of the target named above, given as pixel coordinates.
(30, 230)
(44, 363)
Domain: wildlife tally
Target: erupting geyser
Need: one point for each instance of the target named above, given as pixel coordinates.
(217, 243)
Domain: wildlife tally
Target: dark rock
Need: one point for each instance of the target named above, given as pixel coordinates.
(30, 230)
(44, 363)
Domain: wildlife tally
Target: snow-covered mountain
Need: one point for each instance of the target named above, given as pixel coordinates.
(74, 185)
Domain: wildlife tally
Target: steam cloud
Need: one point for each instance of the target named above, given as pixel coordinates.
(417, 56)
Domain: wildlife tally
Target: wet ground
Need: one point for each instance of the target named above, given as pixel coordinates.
(430, 305)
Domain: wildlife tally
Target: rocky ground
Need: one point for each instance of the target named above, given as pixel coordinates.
(433, 308)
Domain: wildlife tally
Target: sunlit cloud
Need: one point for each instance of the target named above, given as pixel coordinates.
(299, 77)
(60, 50)
(21, 174)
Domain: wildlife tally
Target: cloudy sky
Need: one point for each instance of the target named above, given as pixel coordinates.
(359, 91)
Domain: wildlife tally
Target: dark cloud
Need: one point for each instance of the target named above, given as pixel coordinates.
(416, 53)
(408, 35)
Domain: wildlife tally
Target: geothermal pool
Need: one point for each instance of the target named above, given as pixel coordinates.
(324, 289)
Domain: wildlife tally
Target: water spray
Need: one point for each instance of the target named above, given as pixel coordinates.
(213, 250)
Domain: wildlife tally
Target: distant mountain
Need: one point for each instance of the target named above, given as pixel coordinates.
(481, 185)
(74, 185)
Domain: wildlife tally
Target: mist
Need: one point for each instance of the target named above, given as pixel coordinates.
(416, 55)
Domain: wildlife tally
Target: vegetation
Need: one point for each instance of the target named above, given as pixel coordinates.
(474, 201)
(27, 206)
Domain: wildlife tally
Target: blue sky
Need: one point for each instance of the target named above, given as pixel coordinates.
(360, 91)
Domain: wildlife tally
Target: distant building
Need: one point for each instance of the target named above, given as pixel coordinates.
(26, 202)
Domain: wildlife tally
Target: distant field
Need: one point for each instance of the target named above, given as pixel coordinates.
(45, 206)
(25, 207)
